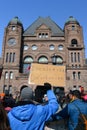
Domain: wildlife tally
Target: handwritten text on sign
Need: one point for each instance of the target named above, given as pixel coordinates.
(40, 73)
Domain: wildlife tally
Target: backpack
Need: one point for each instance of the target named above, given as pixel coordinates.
(82, 121)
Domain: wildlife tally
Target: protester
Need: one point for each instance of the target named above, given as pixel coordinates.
(45, 99)
(4, 121)
(30, 116)
(8, 101)
(70, 111)
(84, 98)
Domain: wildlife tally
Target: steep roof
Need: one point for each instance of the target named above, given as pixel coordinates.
(15, 20)
(56, 30)
(71, 19)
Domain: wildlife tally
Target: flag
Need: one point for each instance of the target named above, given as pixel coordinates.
(27, 69)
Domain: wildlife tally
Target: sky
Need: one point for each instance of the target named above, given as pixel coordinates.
(29, 10)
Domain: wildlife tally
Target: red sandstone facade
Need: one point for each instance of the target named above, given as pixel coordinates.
(42, 42)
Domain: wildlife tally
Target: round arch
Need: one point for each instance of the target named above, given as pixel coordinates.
(43, 59)
(27, 64)
(74, 42)
(24, 86)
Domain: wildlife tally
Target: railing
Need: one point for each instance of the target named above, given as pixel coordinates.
(75, 47)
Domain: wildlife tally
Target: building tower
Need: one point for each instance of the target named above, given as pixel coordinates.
(11, 53)
(75, 58)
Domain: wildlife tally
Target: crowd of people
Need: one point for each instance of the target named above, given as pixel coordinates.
(27, 114)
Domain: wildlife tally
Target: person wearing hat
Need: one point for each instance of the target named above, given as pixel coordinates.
(28, 115)
(71, 111)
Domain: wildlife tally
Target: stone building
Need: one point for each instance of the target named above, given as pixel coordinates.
(42, 42)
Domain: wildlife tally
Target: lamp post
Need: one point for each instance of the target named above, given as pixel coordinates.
(54, 59)
(57, 60)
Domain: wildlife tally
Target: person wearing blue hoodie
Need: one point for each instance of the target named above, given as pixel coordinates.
(30, 116)
(72, 110)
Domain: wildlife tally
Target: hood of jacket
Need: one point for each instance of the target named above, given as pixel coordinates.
(23, 113)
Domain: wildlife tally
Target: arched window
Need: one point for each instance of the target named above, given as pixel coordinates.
(74, 42)
(13, 57)
(7, 57)
(34, 47)
(60, 47)
(28, 59)
(78, 57)
(10, 89)
(43, 35)
(57, 60)
(27, 63)
(79, 75)
(10, 57)
(43, 59)
(6, 75)
(11, 75)
(71, 57)
(74, 75)
(26, 47)
(4, 88)
(51, 47)
(74, 57)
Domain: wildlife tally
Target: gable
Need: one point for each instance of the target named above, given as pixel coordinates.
(42, 27)
(44, 22)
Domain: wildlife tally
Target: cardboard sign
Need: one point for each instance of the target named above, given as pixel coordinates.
(41, 73)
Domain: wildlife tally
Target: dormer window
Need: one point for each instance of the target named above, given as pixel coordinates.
(46, 35)
(43, 35)
(40, 35)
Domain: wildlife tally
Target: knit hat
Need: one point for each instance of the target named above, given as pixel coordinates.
(26, 94)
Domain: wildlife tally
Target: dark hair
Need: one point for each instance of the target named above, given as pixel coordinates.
(76, 93)
(4, 121)
(47, 86)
